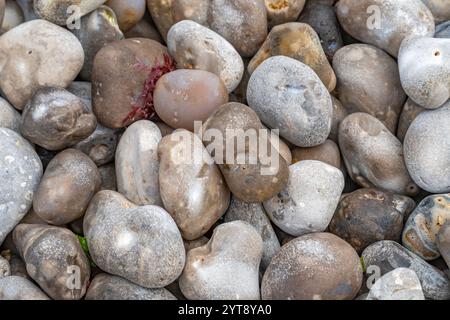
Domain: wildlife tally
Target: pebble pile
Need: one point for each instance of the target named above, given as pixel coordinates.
(225, 149)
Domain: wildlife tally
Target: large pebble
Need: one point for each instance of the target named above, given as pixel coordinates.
(19, 178)
(254, 214)
(25, 62)
(399, 284)
(308, 202)
(9, 117)
(122, 91)
(321, 15)
(389, 255)
(96, 30)
(60, 12)
(184, 96)
(254, 171)
(227, 267)
(192, 188)
(54, 259)
(428, 82)
(369, 81)
(137, 163)
(318, 266)
(427, 149)
(382, 23)
(298, 41)
(424, 224)
(370, 215)
(108, 287)
(279, 12)
(56, 119)
(194, 46)
(287, 95)
(69, 183)
(19, 288)
(140, 244)
(373, 155)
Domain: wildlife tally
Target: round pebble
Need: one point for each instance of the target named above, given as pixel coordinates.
(18, 288)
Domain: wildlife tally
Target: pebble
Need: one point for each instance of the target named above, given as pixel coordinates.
(194, 46)
(56, 119)
(279, 12)
(439, 8)
(9, 117)
(308, 202)
(250, 177)
(366, 216)
(122, 92)
(427, 83)
(128, 13)
(137, 163)
(12, 18)
(27, 67)
(18, 288)
(389, 255)
(339, 114)
(369, 81)
(162, 14)
(226, 268)
(144, 29)
(254, 214)
(108, 287)
(318, 266)
(140, 244)
(443, 242)
(108, 177)
(399, 284)
(292, 99)
(78, 180)
(5, 269)
(382, 23)
(27, 7)
(426, 150)
(298, 41)
(410, 112)
(192, 189)
(321, 16)
(97, 29)
(443, 30)
(60, 12)
(423, 225)
(19, 179)
(328, 152)
(54, 259)
(373, 155)
(182, 97)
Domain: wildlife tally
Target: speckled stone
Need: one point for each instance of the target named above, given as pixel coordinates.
(428, 82)
(370, 215)
(227, 267)
(19, 179)
(54, 259)
(389, 255)
(194, 46)
(254, 214)
(359, 19)
(18, 288)
(140, 244)
(318, 266)
(373, 155)
(287, 95)
(426, 149)
(137, 163)
(108, 287)
(279, 12)
(443, 242)
(57, 11)
(9, 117)
(308, 202)
(423, 225)
(400, 284)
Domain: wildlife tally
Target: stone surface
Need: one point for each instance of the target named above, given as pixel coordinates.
(19, 179)
(287, 95)
(308, 202)
(5, 268)
(327, 152)
(9, 117)
(317, 266)
(227, 267)
(18, 288)
(140, 244)
(60, 11)
(410, 112)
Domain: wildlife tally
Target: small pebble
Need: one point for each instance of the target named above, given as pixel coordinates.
(279, 12)
(5, 269)
(58, 11)
(327, 152)
(128, 13)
